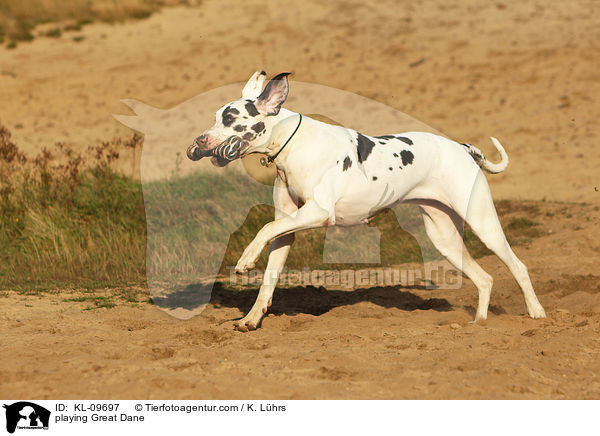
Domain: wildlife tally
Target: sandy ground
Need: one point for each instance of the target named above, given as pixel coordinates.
(379, 342)
(524, 72)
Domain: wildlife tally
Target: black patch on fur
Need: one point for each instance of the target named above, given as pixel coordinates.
(374, 178)
(252, 111)
(228, 116)
(248, 136)
(258, 127)
(390, 168)
(407, 157)
(476, 155)
(405, 139)
(239, 128)
(382, 142)
(347, 163)
(385, 137)
(365, 146)
(395, 154)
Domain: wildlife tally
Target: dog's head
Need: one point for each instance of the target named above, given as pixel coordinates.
(243, 124)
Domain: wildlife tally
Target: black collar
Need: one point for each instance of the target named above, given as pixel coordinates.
(270, 159)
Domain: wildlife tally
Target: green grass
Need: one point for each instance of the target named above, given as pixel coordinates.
(70, 223)
(67, 225)
(72, 27)
(83, 235)
(98, 302)
(98, 299)
(53, 33)
(524, 227)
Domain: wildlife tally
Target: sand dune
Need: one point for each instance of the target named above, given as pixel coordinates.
(525, 73)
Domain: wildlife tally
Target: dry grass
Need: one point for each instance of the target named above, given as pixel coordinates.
(68, 222)
(18, 18)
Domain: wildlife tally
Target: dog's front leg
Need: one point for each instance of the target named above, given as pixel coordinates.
(309, 216)
(278, 252)
(316, 212)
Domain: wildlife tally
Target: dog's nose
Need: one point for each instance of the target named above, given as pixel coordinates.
(196, 150)
(201, 141)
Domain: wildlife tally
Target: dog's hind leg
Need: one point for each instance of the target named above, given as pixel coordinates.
(278, 252)
(483, 219)
(444, 227)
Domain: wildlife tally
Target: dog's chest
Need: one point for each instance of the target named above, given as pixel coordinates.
(300, 187)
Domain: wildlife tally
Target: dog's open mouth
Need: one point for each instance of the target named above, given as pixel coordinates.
(229, 150)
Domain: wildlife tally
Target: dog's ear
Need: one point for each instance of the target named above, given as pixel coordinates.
(254, 86)
(270, 100)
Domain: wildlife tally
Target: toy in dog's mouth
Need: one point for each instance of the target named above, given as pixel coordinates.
(230, 149)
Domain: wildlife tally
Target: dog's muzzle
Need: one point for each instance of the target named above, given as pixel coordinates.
(195, 152)
(230, 149)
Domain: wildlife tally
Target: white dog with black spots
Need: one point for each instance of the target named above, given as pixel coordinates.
(330, 175)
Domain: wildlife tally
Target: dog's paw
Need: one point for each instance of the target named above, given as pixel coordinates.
(536, 311)
(479, 318)
(244, 326)
(248, 259)
(240, 269)
(243, 267)
(250, 321)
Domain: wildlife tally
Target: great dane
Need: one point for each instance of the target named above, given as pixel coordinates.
(330, 175)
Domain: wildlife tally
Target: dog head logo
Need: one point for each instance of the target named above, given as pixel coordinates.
(194, 207)
(26, 415)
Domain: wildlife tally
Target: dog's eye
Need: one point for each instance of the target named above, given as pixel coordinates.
(228, 120)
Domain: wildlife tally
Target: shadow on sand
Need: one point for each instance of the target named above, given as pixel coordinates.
(303, 299)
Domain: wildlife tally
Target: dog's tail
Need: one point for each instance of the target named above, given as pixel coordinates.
(485, 164)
